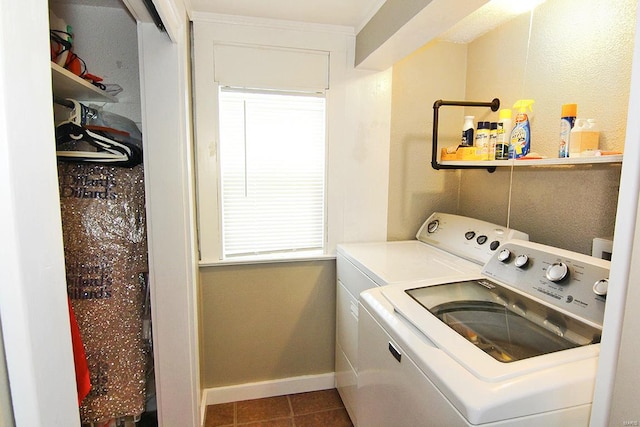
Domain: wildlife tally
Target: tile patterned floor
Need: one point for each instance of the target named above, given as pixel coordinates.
(313, 409)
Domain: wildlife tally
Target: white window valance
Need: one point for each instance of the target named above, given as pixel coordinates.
(271, 67)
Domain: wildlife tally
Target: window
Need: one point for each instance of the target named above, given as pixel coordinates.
(306, 65)
(271, 172)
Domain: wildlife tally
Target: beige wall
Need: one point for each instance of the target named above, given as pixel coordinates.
(436, 71)
(579, 51)
(267, 321)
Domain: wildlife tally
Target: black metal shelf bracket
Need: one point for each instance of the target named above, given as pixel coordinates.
(494, 105)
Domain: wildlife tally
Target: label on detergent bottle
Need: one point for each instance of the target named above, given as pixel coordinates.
(467, 138)
(566, 124)
(467, 132)
(502, 143)
(567, 120)
(482, 138)
(503, 134)
(518, 147)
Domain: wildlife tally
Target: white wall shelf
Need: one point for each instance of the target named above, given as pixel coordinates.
(491, 165)
(68, 85)
(536, 162)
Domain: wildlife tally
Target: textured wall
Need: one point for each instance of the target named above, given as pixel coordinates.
(559, 206)
(579, 52)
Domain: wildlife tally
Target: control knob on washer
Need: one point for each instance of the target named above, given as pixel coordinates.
(601, 287)
(504, 255)
(557, 272)
(433, 226)
(522, 261)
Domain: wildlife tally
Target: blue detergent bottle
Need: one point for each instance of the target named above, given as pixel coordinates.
(520, 141)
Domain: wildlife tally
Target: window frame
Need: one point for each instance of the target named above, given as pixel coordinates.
(208, 186)
(358, 128)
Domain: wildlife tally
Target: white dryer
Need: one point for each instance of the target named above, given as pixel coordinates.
(447, 247)
(516, 345)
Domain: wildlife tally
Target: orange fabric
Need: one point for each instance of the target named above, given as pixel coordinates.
(83, 380)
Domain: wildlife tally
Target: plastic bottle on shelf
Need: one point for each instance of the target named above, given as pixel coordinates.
(520, 142)
(567, 120)
(585, 138)
(467, 132)
(503, 134)
(482, 138)
(493, 136)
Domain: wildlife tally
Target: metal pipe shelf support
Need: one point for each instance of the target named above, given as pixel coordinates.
(494, 105)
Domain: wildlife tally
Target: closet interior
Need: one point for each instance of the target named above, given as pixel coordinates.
(97, 114)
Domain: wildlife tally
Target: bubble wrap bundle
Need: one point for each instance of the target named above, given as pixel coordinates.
(103, 221)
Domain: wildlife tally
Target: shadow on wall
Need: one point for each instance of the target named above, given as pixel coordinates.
(567, 207)
(418, 190)
(564, 207)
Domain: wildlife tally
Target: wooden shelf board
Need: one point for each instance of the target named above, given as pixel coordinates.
(538, 162)
(68, 85)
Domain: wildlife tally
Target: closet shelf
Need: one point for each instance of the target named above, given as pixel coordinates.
(68, 85)
(537, 162)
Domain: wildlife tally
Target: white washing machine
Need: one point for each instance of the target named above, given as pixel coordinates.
(516, 345)
(447, 246)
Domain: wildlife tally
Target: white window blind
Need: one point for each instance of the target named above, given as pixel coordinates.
(272, 172)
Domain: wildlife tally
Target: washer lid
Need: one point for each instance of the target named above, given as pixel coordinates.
(493, 331)
(505, 325)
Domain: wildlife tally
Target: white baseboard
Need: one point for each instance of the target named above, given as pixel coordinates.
(234, 393)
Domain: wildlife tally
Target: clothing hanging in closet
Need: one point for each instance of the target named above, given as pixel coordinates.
(104, 231)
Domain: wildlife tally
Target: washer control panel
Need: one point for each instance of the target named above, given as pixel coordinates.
(570, 281)
(469, 238)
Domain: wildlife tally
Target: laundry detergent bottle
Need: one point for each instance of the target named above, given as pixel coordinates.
(520, 142)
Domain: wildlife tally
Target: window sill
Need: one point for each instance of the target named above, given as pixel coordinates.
(256, 260)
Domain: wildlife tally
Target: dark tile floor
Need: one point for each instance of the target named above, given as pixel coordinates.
(322, 408)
